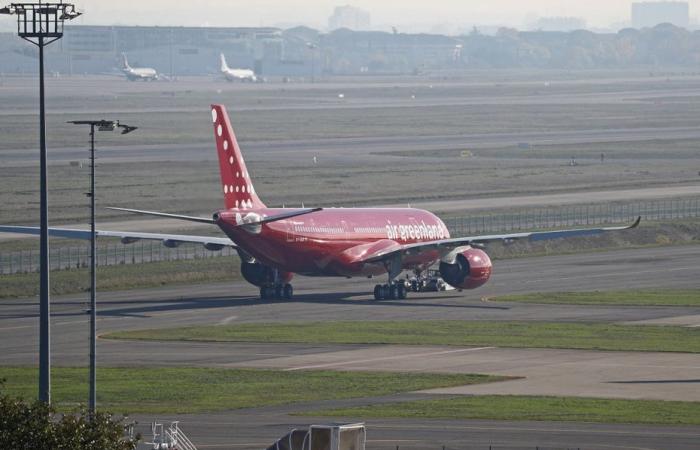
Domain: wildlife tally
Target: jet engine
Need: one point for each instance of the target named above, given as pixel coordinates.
(261, 275)
(466, 268)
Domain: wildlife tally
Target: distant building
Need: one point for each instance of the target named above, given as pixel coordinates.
(560, 24)
(650, 14)
(349, 17)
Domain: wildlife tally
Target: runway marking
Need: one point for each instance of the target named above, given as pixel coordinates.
(384, 358)
(228, 320)
(85, 320)
(101, 319)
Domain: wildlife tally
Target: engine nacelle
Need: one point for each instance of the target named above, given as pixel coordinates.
(261, 275)
(466, 268)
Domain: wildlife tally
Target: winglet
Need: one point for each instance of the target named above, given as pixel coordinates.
(636, 223)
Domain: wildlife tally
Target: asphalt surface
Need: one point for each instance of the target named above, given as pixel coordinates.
(560, 372)
(350, 148)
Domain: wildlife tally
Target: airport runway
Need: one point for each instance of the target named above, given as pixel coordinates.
(559, 372)
(350, 148)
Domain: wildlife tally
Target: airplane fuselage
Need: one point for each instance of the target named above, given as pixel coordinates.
(140, 74)
(240, 75)
(332, 242)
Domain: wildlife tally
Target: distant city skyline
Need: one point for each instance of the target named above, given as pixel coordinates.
(408, 16)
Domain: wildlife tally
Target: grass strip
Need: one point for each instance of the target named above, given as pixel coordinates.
(531, 408)
(674, 297)
(127, 276)
(190, 390)
(585, 336)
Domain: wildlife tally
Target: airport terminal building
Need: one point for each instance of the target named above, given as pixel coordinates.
(303, 53)
(181, 51)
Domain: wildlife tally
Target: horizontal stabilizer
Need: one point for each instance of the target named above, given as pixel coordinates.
(283, 216)
(166, 215)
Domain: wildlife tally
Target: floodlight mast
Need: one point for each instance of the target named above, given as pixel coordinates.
(41, 24)
(101, 125)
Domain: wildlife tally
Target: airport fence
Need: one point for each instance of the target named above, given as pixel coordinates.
(75, 257)
(62, 258)
(574, 215)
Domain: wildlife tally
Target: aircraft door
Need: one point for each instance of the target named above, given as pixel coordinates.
(290, 230)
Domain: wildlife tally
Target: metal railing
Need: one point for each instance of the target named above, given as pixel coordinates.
(63, 258)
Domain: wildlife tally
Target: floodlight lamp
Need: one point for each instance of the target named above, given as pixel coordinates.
(126, 129)
(69, 13)
(106, 126)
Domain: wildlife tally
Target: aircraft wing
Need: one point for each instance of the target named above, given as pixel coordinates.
(444, 246)
(127, 237)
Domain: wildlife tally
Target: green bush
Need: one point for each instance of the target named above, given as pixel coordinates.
(37, 426)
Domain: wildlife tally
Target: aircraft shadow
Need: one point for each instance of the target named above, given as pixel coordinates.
(336, 298)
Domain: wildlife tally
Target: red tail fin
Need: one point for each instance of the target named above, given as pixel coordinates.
(236, 183)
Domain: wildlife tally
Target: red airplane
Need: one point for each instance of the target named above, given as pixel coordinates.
(276, 243)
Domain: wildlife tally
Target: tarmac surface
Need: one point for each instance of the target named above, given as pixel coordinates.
(349, 148)
(551, 372)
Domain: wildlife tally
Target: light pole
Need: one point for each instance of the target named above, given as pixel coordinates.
(102, 125)
(41, 24)
(311, 46)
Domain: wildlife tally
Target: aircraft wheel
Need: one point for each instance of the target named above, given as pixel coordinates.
(393, 294)
(288, 291)
(378, 292)
(386, 292)
(277, 291)
(414, 285)
(401, 291)
(263, 293)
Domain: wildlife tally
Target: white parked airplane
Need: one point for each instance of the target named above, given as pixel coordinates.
(138, 73)
(237, 74)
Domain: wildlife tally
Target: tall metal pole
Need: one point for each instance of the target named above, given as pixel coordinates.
(102, 125)
(44, 311)
(93, 281)
(41, 24)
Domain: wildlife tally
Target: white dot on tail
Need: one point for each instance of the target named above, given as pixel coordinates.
(225, 188)
(243, 189)
(230, 189)
(236, 188)
(230, 159)
(238, 174)
(250, 204)
(219, 130)
(213, 115)
(236, 203)
(225, 145)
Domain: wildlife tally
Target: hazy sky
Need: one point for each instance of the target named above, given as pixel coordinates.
(407, 13)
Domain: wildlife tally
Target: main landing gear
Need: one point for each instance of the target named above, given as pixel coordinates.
(279, 291)
(395, 290)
